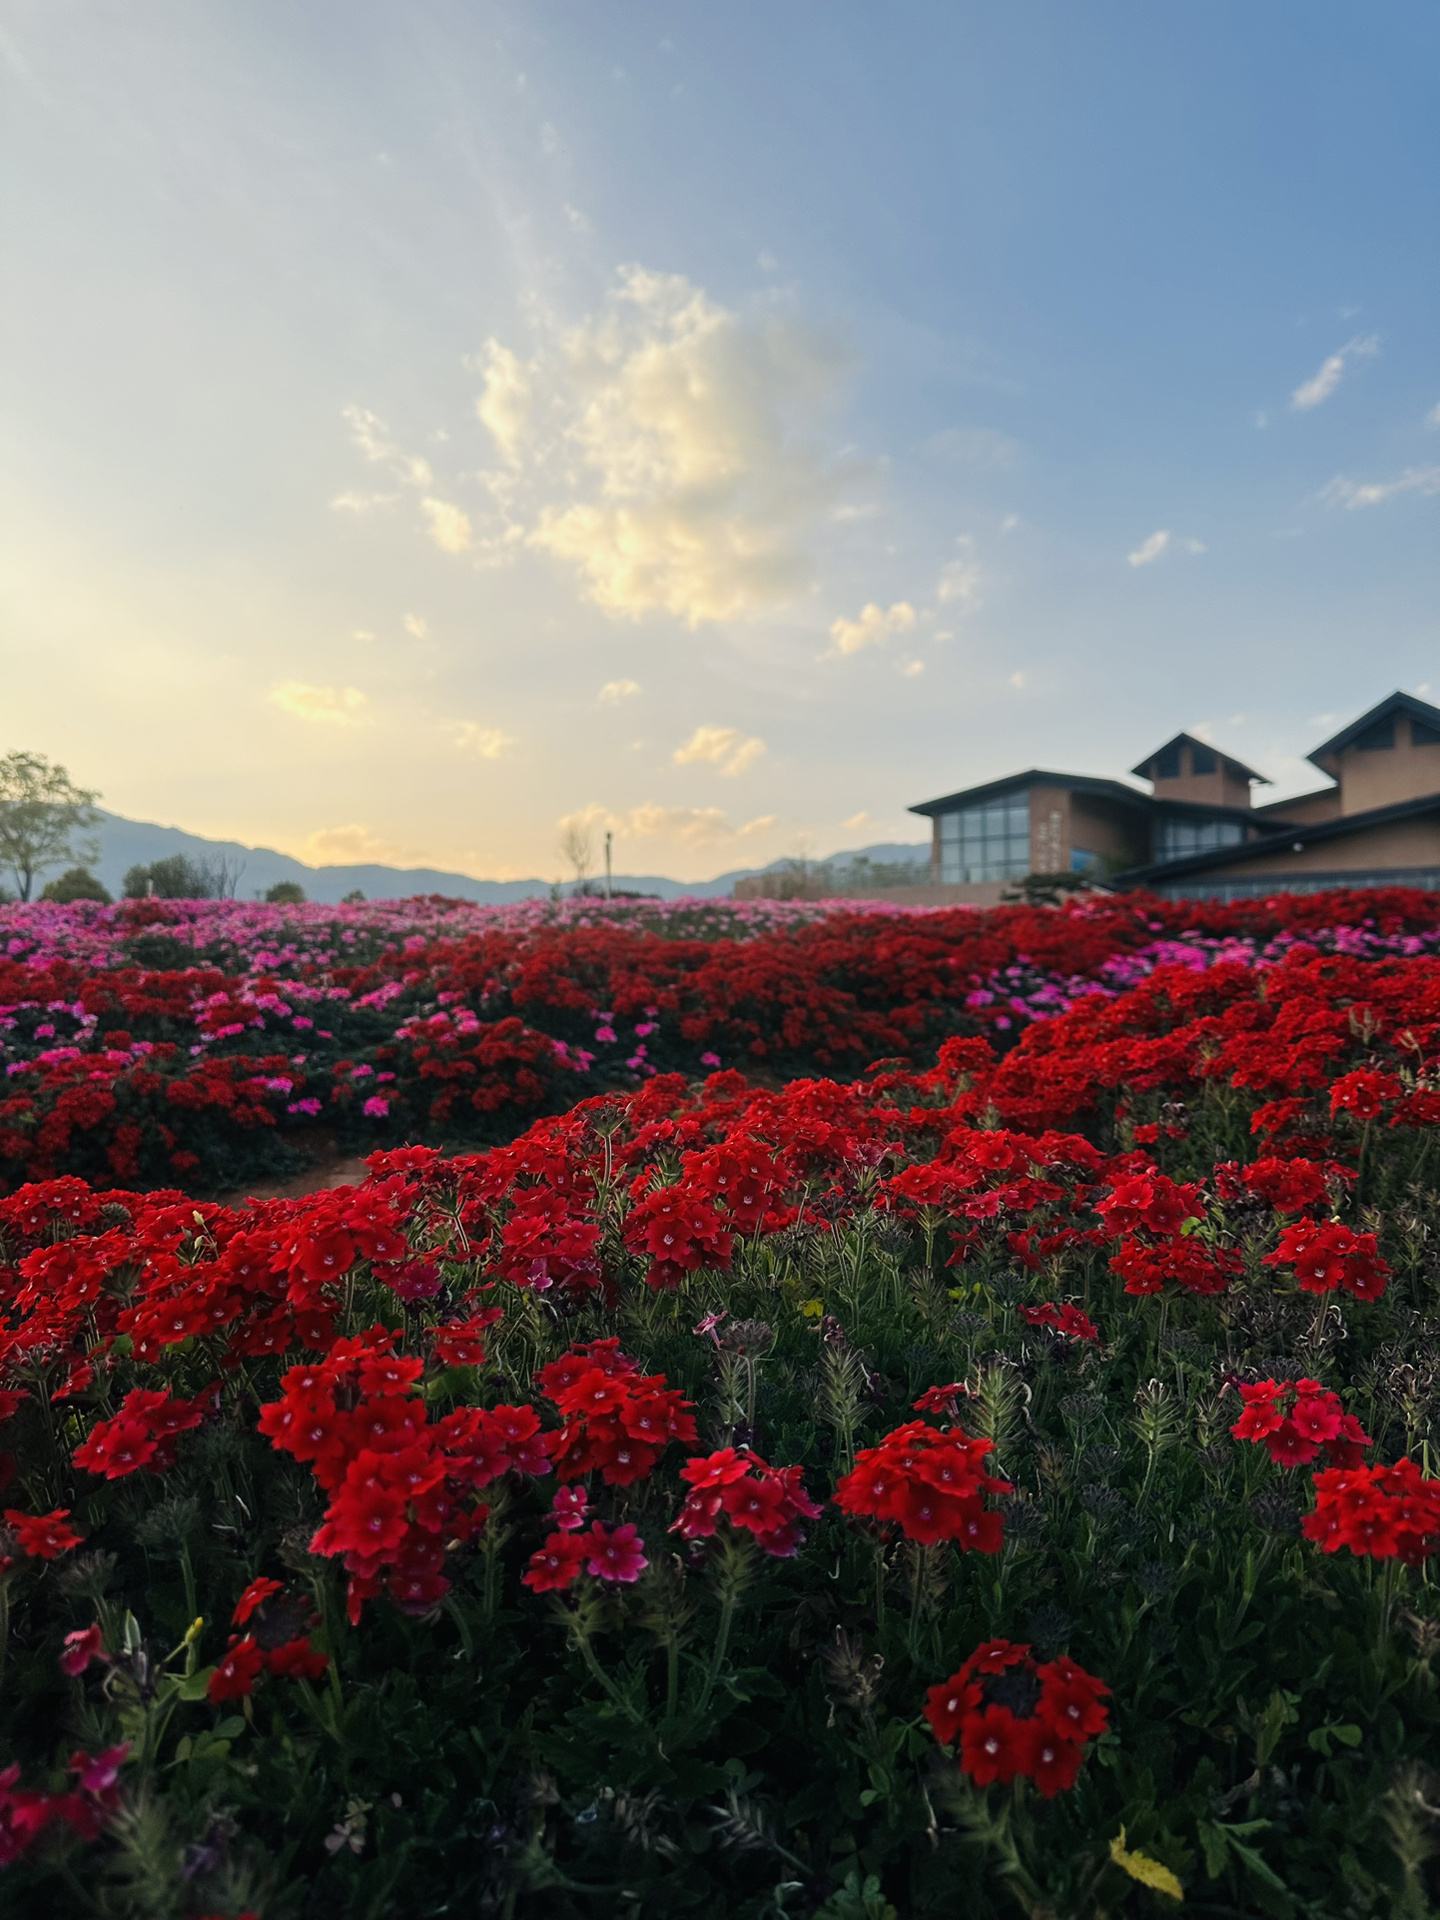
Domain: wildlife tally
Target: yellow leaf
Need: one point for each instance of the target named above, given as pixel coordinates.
(812, 1309)
(1139, 1866)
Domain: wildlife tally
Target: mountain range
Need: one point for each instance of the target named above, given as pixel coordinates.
(129, 843)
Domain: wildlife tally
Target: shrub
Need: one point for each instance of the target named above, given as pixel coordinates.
(78, 884)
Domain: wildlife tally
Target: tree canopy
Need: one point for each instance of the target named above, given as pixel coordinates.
(41, 812)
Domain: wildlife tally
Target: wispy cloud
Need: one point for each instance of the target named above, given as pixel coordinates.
(482, 743)
(874, 626)
(372, 437)
(352, 845)
(325, 706)
(1321, 385)
(724, 747)
(1354, 493)
(415, 626)
(504, 403)
(961, 579)
(449, 525)
(684, 826)
(1150, 550)
(1160, 542)
(614, 691)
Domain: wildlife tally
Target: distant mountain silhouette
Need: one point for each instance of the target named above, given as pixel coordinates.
(131, 843)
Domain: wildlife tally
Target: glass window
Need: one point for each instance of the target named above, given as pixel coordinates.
(1202, 760)
(1083, 862)
(1422, 734)
(1177, 837)
(1377, 738)
(1166, 765)
(988, 842)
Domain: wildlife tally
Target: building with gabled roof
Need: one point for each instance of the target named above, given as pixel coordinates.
(1197, 833)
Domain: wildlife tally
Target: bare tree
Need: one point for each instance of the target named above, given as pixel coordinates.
(577, 849)
(41, 812)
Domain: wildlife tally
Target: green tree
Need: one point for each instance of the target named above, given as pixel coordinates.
(78, 884)
(286, 893)
(41, 812)
(177, 877)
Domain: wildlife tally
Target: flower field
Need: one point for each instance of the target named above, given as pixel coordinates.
(814, 1412)
(205, 1043)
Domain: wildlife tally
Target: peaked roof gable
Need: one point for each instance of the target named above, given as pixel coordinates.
(1396, 702)
(1232, 765)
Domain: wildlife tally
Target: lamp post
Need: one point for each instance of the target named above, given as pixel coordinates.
(609, 836)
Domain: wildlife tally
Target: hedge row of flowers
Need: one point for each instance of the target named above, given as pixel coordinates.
(956, 1488)
(199, 1041)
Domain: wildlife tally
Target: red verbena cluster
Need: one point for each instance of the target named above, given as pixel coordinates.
(930, 1482)
(1385, 1512)
(278, 1642)
(142, 1434)
(1326, 1255)
(1013, 1716)
(1295, 1419)
(1152, 1217)
(618, 1421)
(1066, 1319)
(401, 1486)
(39, 1536)
(766, 1501)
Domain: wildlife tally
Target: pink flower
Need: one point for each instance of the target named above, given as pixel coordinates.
(709, 1059)
(80, 1649)
(614, 1553)
(377, 1106)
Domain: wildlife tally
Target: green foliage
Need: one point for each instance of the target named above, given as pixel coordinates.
(287, 893)
(78, 884)
(41, 813)
(176, 877)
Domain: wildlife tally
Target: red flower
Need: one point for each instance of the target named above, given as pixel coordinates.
(297, 1660)
(43, 1536)
(255, 1595)
(994, 1745)
(557, 1563)
(237, 1672)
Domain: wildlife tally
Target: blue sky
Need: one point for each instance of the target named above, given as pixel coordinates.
(426, 423)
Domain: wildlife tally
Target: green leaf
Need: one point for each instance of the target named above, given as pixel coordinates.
(195, 1685)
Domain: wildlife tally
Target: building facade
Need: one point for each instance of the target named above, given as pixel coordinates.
(1197, 832)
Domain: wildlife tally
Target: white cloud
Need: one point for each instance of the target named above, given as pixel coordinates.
(350, 846)
(874, 626)
(576, 218)
(685, 826)
(678, 479)
(856, 821)
(1009, 523)
(353, 502)
(614, 691)
(1432, 418)
(1020, 680)
(1321, 385)
(371, 436)
(415, 626)
(327, 706)
(912, 669)
(1151, 549)
(504, 404)
(482, 743)
(724, 747)
(1352, 493)
(1262, 419)
(449, 525)
(960, 580)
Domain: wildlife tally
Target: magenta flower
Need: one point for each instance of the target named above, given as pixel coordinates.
(376, 1107)
(614, 1553)
(80, 1649)
(98, 1772)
